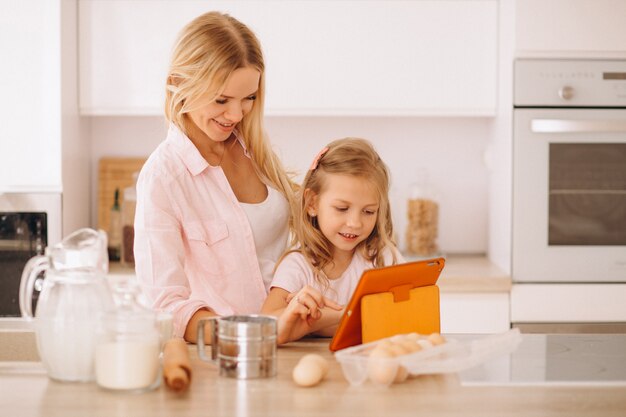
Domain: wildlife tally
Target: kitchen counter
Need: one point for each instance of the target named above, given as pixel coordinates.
(473, 274)
(26, 391)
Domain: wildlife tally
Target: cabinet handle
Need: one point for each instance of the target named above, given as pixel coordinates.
(577, 126)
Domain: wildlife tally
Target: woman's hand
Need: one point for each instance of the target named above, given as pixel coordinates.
(304, 314)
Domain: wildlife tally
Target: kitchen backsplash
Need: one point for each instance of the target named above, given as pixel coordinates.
(450, 150)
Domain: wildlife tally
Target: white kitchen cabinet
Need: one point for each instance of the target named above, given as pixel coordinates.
(570, 28)
(30, 112)
(476, 313)
(322, 57)
(42, 140)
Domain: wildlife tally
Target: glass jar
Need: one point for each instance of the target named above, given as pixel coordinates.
(128, 344)
(129, 203)
(423, 215)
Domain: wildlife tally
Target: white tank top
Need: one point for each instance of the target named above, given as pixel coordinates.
(270, 228)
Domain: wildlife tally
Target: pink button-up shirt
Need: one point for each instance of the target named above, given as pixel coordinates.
(194, 247)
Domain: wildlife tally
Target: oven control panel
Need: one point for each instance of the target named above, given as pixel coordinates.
(570, 83)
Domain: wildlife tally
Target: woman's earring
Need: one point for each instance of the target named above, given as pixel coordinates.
(314, 220)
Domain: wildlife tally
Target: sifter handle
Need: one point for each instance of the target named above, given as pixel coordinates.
(213, 323)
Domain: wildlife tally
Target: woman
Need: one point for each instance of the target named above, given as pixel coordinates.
(213, 200)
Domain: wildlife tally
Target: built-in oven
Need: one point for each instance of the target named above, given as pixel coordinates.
(28, 223)
(569, 192)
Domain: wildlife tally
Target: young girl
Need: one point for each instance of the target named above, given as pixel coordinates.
(343, 227)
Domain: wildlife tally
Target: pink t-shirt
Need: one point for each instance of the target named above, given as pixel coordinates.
(293, 273)
(194, 246)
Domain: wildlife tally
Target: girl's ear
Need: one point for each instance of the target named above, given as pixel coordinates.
(311, 197)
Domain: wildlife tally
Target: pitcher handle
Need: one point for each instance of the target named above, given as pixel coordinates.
(32, 269)
(213, 323)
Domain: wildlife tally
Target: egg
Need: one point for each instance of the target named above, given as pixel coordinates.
(425, 344)
(384, 344)
(410, 345)
(436, 339)
(412, 336)
(322, 363)
(398, 350)
(401, 375)
(382, 347)
(307, 373)
(380, 369)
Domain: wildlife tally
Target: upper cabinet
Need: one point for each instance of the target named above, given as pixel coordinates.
(322, 57)
(30, 114)
(571, 28)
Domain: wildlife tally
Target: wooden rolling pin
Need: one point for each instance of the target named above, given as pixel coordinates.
(176, 365)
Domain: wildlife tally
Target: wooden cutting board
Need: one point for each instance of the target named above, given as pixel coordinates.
(114, 173)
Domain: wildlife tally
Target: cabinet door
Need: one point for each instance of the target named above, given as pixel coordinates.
(322, 57)
(475, 312)
(570, 28)
(30, 109)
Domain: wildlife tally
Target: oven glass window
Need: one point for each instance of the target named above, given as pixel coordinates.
(587, 186)
(22, 236)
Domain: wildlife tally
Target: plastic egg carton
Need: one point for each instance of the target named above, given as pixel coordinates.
(359, 365)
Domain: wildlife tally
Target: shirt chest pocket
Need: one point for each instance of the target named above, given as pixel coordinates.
(210, 246)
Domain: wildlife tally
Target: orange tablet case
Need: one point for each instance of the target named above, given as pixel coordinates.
(391, 300)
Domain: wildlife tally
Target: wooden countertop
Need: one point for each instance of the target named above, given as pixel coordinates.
(27, 391)
(462, 274)
(473, 274)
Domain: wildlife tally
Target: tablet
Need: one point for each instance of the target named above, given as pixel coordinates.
(387, 279)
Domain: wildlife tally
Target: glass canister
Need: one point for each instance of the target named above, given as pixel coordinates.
(128, 345)
(423, 218)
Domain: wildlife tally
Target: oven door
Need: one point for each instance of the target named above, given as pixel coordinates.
(28, 222)
(569, 195)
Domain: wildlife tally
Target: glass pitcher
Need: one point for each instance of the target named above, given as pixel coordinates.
(73, 295)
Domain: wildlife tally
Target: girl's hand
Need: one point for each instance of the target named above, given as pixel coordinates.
(302, 314)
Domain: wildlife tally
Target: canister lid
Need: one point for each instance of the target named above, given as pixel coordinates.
(128, 316)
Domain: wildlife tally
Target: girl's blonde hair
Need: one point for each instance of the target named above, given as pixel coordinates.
(354, 157)
(209, 49)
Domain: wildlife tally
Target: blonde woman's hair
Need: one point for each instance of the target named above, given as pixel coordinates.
(208, 50)
(353, 157)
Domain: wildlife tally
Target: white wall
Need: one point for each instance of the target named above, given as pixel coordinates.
(450, 149)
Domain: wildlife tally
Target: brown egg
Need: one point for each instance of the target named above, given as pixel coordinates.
(410, 345)
(380, 369)
(384, 344)
(401, 375)
(323, 363)
(436, 339)
(398, 350)
(425, 343)
(412, 336)
(307, 373)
